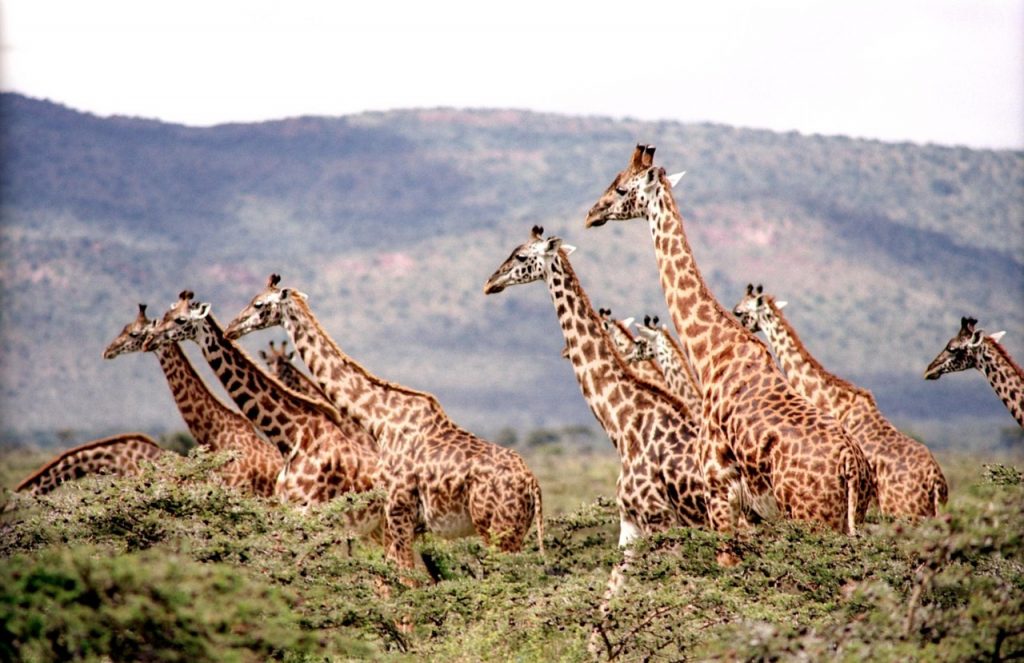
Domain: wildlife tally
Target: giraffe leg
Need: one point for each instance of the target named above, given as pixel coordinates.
(400, 522)
(502, 512)
(598, 639)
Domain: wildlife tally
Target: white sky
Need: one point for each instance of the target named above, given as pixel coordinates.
(943, 71)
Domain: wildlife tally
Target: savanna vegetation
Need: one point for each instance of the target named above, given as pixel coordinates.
(170, 567)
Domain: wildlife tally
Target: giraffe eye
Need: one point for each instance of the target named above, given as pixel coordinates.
(257, 305)
(621, 190)
(181, 320)
(520, 257)
(134, 334)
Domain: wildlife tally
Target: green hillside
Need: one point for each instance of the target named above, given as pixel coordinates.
(391, 222)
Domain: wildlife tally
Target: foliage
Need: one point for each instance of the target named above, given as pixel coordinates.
(79, 604)
(167, 566)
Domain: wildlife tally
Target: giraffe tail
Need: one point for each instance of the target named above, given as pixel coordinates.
(940, 490)
(538, 513)
(851, 479)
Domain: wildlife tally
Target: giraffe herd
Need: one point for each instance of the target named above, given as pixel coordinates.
(712, 430)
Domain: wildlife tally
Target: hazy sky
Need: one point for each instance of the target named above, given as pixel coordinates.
(925, 71)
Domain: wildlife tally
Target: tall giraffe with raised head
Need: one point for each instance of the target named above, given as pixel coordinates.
(279, 361)
(908, 480)
(660, 483)
(754, 426)
(435, 473)
(972, 348)
(119, 454)
(255, 464)
(328, 455)
(654, 343)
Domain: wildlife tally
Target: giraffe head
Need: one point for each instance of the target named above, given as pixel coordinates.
(529, 262)
(628, 194)
(962, 352)
(645, 347)
(132, 336)
(754, 310)
(266, 309)
(181, 322)
(277, 357)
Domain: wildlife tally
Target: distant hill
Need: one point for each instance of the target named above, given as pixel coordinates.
(392, 221)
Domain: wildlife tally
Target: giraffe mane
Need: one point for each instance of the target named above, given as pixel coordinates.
(1004, 354)
(829, 376)
(103, 442)
(374, 379)
(322, 407)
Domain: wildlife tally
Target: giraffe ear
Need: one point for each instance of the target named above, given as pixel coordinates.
(628, 322)
(976, 338)
(998, 335)
(781, 304)
(201, 310)
(674, 178)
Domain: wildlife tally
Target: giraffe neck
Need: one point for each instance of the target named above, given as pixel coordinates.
(273, 409)
(204, 414)
(677, 371)
(1005, 376)
(708, 331)
(376, 404)
(802, 370)
(297, 381)
(602, 375)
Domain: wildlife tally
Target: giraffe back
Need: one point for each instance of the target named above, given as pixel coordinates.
(118, 454)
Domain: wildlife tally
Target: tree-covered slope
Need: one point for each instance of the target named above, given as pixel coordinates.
(392, 221)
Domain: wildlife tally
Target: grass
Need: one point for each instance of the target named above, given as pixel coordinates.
(167, 566)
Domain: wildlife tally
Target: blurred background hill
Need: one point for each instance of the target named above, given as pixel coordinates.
(391, 222)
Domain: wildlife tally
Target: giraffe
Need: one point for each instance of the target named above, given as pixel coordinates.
(328, 455)
(255, 464)
(279, 361)
(971, 348)
(435, 474)
(754, 426)
(119, 454)
(623, 343)
(660, 483)
(908, 480)
(657, 343)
